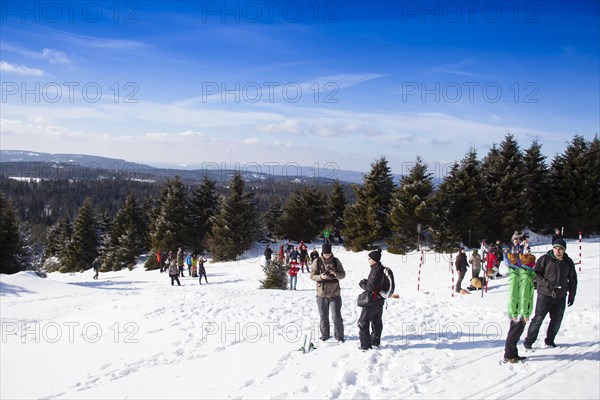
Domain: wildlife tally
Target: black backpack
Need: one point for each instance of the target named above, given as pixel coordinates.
(387, 287)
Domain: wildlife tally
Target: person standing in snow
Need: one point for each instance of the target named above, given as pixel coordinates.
(96, 267)
(556, 235)
(201, 269)
(268, 252)
(371, 315)
(303, 256)
(173, 271)
(461, 268)
(556, 279)
(293, 272)
(327, 271)
(189, 262)
(180, 261)
(520, 302)
(313, 255)
(475, 262)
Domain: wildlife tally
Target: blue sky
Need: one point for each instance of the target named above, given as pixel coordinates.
(308, 83)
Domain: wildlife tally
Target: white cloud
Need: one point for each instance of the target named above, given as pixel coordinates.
(9, 68)
(251, 140)
(55, 56)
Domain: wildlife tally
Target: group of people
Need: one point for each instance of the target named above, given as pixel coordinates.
(174, 265)
(295, 257)
(553, 275)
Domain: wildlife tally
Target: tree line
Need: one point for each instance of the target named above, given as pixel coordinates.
(509, 189)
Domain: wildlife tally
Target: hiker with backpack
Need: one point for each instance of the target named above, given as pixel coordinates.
(327, 271)
(372, 313)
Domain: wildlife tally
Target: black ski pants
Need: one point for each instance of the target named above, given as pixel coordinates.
(543, 306)
(514, 334)
(371, 316)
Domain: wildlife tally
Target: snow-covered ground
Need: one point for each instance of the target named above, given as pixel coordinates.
(130, 334)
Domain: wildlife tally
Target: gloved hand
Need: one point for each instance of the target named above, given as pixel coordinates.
(570, 301)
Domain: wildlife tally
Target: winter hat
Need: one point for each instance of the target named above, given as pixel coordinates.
(560, 243)
(326, 248)
(375, 255)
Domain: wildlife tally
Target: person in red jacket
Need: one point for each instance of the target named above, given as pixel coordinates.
(293, 274)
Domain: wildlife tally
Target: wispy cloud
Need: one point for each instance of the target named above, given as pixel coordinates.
(55, 56)
(458, 69)
(9, 68)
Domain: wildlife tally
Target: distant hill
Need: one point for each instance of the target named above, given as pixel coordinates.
(19, 161)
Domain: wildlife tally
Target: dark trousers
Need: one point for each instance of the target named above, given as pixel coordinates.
(371, 316)
(180, 270)
(324, 304)
(544, 305)
(461, 276)
(514, 334)
(202, 273)
(175, 278)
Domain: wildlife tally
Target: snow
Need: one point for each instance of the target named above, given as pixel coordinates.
(130, 334)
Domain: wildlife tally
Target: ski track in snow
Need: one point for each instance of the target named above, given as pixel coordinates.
(433, 344)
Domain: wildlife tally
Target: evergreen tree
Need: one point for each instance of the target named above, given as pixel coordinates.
(304, 215)
(459, 203)
(272, 217)
(573, 186)
(445, 224)
(58, 239)
(368, 220)
(169, 228)
(592, 157)
(275, 275)
(235, 225)
(336, 204)
(410, 207)
(127, 236)
(536, 186)
(83, 247)
(491, 176)
(10, 240)
(203, 205)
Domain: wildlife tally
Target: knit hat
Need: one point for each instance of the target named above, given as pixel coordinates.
(326, 248)
(375, 255)
(560, 243)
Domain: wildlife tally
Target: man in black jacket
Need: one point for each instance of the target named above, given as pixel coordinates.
(556, 278)
(371, 315)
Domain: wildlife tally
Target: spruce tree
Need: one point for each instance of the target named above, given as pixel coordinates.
(169, 229)
(235, 225)
(276, 275)
(573, 187)
(272, 217)
(536, 186)
(127, 236)
(445, 224)
(592, 157)
(459, 202)
(304, 215)
(367, 221)
(203, 205)
(411, 206)
(10, 240)
(491, 176)
(83, 247)
(336, 204)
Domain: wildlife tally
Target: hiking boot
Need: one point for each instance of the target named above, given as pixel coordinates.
(527, 346)
(514, 360)
(551, 344)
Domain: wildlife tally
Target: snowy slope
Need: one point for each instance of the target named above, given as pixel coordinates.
(132, 335)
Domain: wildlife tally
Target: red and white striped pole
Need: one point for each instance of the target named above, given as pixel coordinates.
(452, 269)
(419, 273)
(580, 257)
